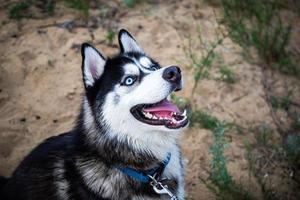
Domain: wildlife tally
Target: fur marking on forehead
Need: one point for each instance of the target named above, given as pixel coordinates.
(143, 63)
(131, 69)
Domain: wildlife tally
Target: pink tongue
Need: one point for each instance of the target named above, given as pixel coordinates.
(162, 107)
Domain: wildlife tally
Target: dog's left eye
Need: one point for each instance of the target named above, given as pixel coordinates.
(129, 80)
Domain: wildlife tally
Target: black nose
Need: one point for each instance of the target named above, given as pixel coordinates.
(173, 75)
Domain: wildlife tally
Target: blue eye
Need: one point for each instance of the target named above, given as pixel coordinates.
(129, 80)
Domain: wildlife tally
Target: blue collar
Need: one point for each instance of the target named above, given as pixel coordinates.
(143, 176)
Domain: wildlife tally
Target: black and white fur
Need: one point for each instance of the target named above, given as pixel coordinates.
(81, 164)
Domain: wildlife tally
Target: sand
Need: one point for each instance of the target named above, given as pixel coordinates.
(41, 85)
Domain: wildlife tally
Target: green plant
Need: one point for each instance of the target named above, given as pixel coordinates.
(110, 36)
(296, 124)
(264, 134)
(132, 3)
(281, 102)
(292, 147)
(219, 174)
(80, 5)
(257, 23)
(227, 75)
(220, 182)
(129, 3)
(204, 119)
(50, 6)
(202, 62)
(228, 189)
(51, 63)
(21, 9)
(249, 156)
(16, 11)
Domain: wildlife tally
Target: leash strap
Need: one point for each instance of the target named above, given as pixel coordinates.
(134, 174)
(152, 177)
(144, 176)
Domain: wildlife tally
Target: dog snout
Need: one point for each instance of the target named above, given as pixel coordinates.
(173, 75)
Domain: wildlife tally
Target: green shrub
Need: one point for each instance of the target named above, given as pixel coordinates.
(110, 36)
(16, 11)
(280, 102)
(129, 3)
(264, 132)
(50, 6)
(21, 9)
(80, 5)
(227, 188)
(203, 119)
(219, 174)
(203, 61)
(296, 124)
(257, 23)
(292, 147)
(132, 3)
(227, 75)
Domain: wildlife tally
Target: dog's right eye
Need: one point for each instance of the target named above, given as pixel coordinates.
(129, 80)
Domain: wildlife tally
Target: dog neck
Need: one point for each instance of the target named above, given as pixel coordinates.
(131, 152)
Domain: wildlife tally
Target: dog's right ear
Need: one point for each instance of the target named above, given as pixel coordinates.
(92, 64)
(128, 43)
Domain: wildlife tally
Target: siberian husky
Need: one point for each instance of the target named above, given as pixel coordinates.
(124, 144)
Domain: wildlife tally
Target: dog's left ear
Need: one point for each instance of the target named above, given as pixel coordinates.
(128, 43)
(92, 64)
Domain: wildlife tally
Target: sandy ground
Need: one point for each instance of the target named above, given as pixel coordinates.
(41, 87)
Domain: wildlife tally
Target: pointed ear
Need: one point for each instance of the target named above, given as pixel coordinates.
(92, 64)
(127, 43)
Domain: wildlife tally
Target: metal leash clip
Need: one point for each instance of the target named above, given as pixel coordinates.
(159, 188)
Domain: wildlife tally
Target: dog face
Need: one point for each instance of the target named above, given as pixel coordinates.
(127, 94)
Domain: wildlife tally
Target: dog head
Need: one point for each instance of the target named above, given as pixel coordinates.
(127, 95)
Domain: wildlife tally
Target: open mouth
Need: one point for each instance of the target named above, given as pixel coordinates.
(162, 113)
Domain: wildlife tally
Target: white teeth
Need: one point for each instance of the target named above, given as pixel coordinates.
(171, 120)
(169, 97)
(148, 115)
(185, 117)
(174, 120)
(184, 112)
